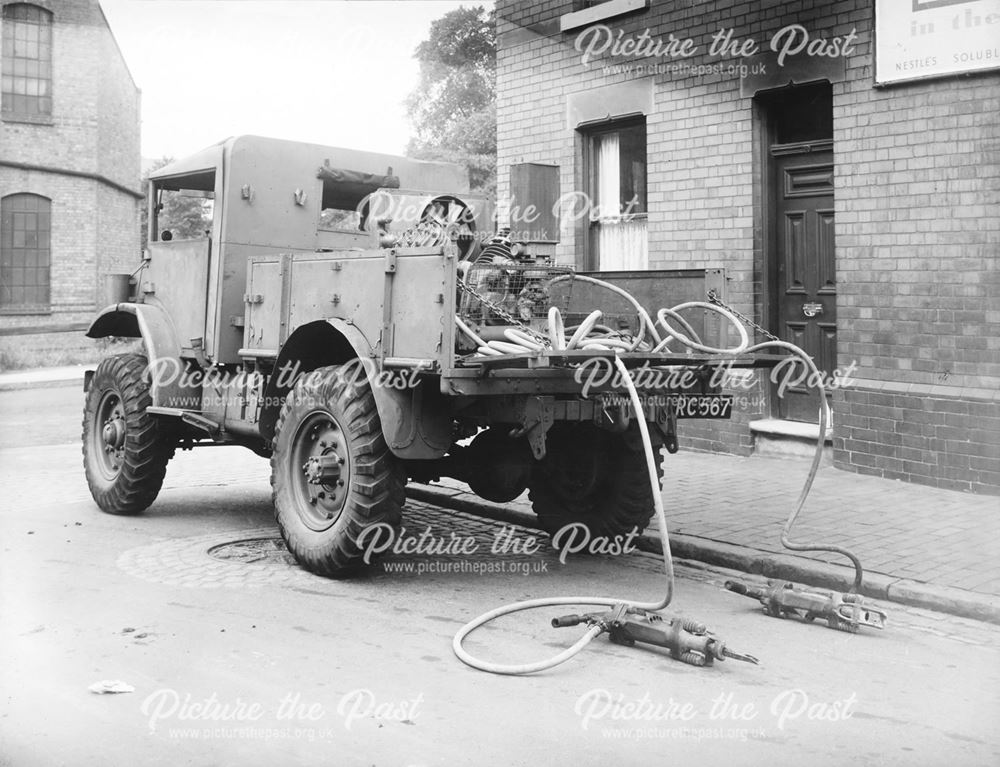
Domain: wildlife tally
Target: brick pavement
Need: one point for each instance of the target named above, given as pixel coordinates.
(900, 530)
(897, 529)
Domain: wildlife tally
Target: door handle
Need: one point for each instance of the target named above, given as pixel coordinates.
(812, 309)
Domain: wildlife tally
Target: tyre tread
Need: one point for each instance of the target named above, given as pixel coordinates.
(623, 501)
(377, 485)
(147, 451)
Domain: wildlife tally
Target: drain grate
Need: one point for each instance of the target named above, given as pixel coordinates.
(268, 551)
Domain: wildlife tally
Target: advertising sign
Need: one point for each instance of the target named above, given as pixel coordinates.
(933, 38)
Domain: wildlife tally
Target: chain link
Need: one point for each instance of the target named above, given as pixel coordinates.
(500, 311)
(713, 297)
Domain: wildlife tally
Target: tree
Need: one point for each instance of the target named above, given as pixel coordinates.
(453, 109)
(185, 215)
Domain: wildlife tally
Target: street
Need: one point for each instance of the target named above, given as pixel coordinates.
(237, 656)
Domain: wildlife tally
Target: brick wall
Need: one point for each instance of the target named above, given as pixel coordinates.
(94, 130)
(917, 217)
(932, 436)
(71, 140)
(73, 243)
(117, 136)
(918, 238)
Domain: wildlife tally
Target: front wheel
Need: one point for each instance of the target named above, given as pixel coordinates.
(125, 453)
(332, 474)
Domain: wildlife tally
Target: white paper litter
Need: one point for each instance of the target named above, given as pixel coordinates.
(108, 686)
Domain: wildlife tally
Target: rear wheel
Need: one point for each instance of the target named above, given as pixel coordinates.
(332, 474)
(596, 478)
(125, 452)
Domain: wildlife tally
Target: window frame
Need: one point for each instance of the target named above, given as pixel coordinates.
(585, 14)
(7, 252)
(589, 133)
(203, 182)
(8, 28)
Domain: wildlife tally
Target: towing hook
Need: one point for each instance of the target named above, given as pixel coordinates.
(841, 611)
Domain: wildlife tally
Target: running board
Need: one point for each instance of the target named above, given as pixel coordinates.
(190, 417)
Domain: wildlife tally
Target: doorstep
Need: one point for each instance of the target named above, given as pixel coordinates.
(777, 437)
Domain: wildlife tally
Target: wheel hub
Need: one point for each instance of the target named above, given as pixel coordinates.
(109, 430)
(113, 431)
(321, 461)
(322, 469)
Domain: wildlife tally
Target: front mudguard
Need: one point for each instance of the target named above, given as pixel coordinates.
(163, 351)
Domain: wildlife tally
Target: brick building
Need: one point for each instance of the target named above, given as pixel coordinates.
(69, 163)
(851, 194)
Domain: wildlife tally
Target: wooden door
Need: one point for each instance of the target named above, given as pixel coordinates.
(803, 270)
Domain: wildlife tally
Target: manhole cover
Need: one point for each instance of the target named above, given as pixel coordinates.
(255, 551)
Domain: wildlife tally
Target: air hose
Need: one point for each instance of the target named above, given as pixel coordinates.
(593, 631)
(692, 341)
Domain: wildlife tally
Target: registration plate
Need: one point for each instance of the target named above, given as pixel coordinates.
(701, 405)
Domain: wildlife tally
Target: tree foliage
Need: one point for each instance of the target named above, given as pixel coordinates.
(453, 108)
(184, 215)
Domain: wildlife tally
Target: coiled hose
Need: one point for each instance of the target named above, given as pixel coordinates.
(557, 340)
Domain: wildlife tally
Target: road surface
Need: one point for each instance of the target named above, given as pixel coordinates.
(238, 657)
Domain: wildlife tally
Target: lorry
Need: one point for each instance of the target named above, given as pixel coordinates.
(318, 321)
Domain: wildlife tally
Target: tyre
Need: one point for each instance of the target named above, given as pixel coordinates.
(125, 452)
(332, 474)
(596, 478)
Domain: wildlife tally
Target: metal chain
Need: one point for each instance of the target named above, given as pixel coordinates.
(713, 297)
(503, 314)
(500, 311)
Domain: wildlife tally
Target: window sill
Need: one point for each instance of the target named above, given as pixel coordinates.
(27, 119)
(631, 218)
(606, 10)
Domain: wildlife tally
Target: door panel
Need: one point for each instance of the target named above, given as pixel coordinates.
(825, 251)
(795, 247)
(178, 273)
(805, 277)
(263, 318)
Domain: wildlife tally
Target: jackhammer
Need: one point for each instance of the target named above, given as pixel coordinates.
(688, 641)
(843, 612)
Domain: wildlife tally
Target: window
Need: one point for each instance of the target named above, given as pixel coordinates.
(800, 114)
(344, 195)
(617, 170)
(339, 220)
(183, 207)
(25, 224)
(27, 63)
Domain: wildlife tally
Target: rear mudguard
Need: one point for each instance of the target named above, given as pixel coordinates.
(416, 417)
